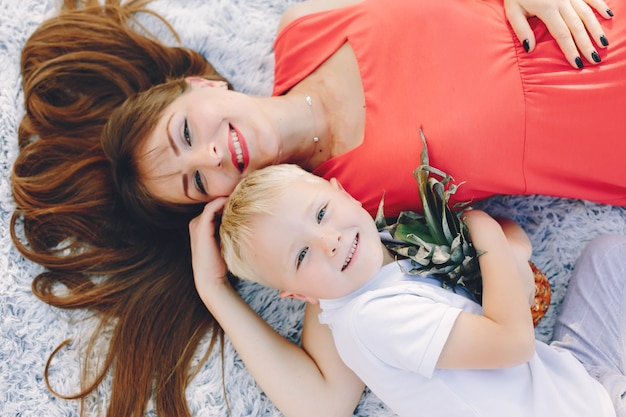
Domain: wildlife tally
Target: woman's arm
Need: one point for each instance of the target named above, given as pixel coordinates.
(311, 380)
(503, 336)
(572, 23)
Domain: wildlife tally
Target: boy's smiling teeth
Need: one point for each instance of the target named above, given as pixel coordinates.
(351, 253)
(237, 146)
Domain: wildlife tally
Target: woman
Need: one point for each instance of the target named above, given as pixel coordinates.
(91, 222)
(327, 114)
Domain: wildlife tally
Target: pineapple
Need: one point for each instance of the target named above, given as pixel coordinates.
(543, 294)
(438, 241)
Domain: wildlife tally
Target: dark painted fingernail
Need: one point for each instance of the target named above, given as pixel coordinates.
(604, 41)
(526, 45)
(595, 57)
(609, 12)
(579, 62)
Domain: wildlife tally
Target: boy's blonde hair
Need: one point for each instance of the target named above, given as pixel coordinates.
(255, 195)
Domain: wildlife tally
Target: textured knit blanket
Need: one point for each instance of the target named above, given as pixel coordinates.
(236, 35)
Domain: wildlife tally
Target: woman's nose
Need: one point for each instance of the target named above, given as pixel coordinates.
(207, 156)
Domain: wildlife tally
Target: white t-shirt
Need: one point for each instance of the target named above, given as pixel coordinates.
(391, 333)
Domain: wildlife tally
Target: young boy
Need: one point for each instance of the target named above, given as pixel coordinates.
(421, 348)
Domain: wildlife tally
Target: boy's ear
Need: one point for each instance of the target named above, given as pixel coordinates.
(287, 294)
(203, 82)
(335, 183)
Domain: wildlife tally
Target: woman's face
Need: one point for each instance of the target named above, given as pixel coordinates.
(204, 143)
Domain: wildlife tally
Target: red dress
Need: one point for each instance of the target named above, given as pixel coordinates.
(495, 117)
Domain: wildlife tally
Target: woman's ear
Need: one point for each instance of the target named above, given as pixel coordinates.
(203, 82)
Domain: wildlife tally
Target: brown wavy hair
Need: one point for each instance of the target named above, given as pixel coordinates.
(77, 67)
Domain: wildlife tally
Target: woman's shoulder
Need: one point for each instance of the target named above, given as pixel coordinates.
(311, 6)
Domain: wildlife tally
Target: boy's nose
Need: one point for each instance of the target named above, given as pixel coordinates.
(330, 240)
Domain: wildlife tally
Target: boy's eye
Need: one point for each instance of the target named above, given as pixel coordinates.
(198, 180)
(186, 133)
(301, 256)
(320, 214)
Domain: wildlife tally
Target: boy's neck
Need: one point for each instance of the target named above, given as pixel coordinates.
(387, 256)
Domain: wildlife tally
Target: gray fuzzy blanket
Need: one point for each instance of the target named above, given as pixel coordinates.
(236, 35)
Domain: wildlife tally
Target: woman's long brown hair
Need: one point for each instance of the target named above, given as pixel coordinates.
(77, 68)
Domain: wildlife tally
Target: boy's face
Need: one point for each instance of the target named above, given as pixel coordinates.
(320, 244)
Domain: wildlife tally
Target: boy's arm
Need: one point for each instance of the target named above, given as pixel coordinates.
(522, 250)
(311, 380)
(504, 335)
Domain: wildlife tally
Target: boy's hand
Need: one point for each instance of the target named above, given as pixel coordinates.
(208, 266)
(571, 22)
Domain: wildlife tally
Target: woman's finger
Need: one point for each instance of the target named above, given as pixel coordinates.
(519, 22)
(585, 10)
(572, 16)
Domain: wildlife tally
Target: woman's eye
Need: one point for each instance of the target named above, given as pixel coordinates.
(186, 133)
(320, 214)
(198, 180)
(301, 256)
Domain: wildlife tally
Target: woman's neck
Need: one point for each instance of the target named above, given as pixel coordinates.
(307, 139)
(334, 112)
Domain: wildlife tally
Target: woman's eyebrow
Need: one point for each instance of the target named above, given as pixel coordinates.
(186, 186)
(169, 136)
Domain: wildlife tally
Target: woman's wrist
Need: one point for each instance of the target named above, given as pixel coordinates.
(215, 291)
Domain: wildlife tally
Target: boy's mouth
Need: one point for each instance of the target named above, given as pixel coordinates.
(355, 243)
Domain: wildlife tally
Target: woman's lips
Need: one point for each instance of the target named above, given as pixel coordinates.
(238, 149)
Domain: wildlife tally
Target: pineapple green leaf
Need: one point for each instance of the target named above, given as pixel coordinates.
(410, 224)
(437, 242)
(381, 222)
(431, 210)
(441, 255)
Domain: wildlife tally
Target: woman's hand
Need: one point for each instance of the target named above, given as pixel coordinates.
(209, 269)
(572, 23)
(301, 381)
